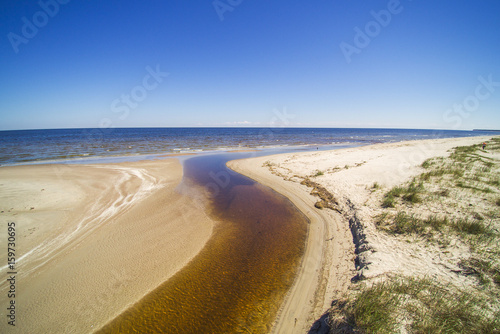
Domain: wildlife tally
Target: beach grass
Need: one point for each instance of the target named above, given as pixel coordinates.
(454, 200)
(415, 305)
(466, 174)
(409, 194)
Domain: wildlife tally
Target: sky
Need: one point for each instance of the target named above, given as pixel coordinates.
(424, 64)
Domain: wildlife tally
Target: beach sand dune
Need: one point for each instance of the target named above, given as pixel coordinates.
(92, 240)
(348, 175)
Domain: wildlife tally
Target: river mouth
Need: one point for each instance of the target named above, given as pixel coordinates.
(239, 280)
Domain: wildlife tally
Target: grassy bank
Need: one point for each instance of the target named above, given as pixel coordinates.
(453, 204)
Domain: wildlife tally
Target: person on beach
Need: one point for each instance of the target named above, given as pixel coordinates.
(484, 145)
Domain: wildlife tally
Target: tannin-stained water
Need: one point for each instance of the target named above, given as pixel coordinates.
(238, 281)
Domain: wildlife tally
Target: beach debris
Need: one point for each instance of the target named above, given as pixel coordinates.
(327, 200)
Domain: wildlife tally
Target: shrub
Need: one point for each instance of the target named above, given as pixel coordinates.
(412, 197)
(427, 163)
(388, 202)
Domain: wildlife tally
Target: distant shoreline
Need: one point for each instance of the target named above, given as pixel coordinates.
(485, 130)
(73, 145)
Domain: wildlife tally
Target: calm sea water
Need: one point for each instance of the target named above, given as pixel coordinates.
(27, 146)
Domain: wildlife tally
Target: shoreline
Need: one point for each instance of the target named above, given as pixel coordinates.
(310, 274)
(134, 191)
(347, 174)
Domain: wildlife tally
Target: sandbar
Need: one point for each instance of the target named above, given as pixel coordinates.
(91, 240)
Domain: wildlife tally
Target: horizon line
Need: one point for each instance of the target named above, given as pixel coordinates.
(245, 127)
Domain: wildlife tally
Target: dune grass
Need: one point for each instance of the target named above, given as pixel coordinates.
(453, 198)
(424, 305)
(467, 170)
(409, 194)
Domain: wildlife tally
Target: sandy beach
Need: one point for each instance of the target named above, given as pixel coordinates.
(348, 175)
(93, 239)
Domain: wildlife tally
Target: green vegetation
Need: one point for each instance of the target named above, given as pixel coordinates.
(403, 223)
(466, 168)
(464, 171)
(454, 201)
(410, 194)
(406, 224)
(485, 271)
(426, 306)
(427, 163)
(319, 173)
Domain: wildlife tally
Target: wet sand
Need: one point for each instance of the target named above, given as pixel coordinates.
(93, 239)
(117, 248)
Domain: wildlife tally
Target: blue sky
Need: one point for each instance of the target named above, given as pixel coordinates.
(168, 63)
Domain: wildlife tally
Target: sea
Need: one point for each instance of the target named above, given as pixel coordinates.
(93, 145)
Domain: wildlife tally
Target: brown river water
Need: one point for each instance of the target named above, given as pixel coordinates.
(237, 283)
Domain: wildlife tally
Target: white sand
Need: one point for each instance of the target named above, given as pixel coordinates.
(349, 175)
(92, 240)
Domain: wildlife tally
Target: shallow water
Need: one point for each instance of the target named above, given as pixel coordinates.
(238, 281)
(28, 146)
